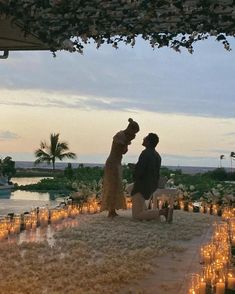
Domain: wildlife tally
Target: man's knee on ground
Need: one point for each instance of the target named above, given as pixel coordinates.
(147, 215)
(137, 215)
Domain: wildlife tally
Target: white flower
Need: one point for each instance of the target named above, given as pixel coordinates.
(170, 181)
(181, 186)
(68, 45)
(191, 188)
(74, 185)
(197, 204)
(215, 192)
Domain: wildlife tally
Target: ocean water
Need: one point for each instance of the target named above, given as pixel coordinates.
(63, 165)
(58, 165)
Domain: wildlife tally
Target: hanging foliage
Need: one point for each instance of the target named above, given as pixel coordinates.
(70, 25)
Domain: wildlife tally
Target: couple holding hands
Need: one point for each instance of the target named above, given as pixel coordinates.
(146, 175)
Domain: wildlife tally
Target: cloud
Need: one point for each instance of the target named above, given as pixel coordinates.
(60, 100)
(7, 135)
(63, 100)
(230, 134)
(201, 84)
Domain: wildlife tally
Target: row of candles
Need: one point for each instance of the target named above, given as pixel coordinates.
(10, 225)
(213, 209)
(218, 274)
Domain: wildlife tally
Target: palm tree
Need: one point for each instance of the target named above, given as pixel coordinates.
(55, 150)
(221, 158)
(232, 157)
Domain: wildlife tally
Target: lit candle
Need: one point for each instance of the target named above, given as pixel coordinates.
(84, 209)
(12, 229)
(17, 223)
(95, 207)
(233, 241)
(220, 287)
(3, 234)
(190, 208)
(27, 221)
(74, 212)
(209, 275)
(65, 212)
(181, 205)
(98, 207)
(207, 258)
(43, 217)
(202, 287)
(231, 281)
(69, 209)
(129, 204)
(34, 225)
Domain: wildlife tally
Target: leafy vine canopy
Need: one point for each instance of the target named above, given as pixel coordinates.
(70, 25)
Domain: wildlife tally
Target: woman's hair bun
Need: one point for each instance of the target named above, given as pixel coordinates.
(130, 120)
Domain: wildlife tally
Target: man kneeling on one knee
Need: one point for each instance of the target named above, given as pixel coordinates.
(146, 178)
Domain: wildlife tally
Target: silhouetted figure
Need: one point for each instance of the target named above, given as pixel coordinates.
(112, 196)
(146, 179)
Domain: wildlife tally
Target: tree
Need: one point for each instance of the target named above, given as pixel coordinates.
(68, 171)
(7, 168)
(232, 157)
(221, 158)
(55, 150)
(219, 174)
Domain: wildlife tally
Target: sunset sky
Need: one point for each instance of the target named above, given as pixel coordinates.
(187, 99)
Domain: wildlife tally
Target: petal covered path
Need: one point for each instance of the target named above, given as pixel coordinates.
(100, 255)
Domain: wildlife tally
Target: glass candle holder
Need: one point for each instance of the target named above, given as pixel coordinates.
(220, 287)
(17, 223)
(219, 281)
(3, 229)
(43, 216)
(194, 283)
(202, 285)
(231, 279)
(27, 221)
(207, 274)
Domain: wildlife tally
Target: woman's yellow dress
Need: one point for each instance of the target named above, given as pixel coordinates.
(112, 194)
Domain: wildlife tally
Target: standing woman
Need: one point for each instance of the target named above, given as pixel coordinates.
(113, 196)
